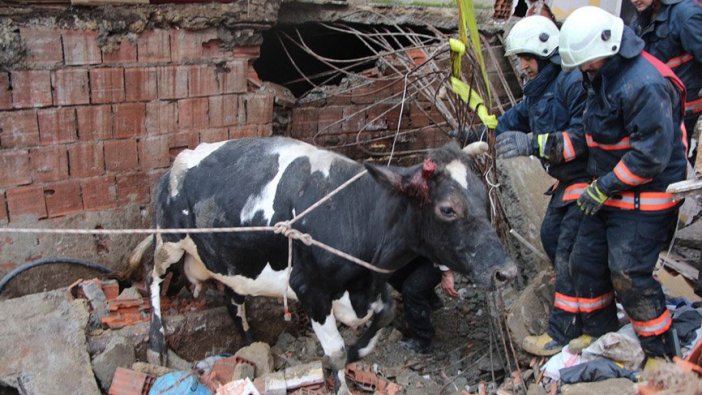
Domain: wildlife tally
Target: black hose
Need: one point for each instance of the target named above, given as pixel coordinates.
(52, 260)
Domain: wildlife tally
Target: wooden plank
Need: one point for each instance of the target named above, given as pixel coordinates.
(678, 264)
(685, 188)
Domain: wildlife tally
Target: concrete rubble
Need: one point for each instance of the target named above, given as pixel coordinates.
(44, 345)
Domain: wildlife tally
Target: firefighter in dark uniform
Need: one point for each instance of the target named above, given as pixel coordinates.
(672, 31)
(636, 147)
(416, 282)
(544, 124)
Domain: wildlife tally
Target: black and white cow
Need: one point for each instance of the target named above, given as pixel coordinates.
(389, 216)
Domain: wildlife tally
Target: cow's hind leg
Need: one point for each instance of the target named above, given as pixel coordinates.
(334, 350)
(384, 312)
(237, 310)
(165, 255)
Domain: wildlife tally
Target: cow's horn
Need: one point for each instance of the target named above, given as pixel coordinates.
(476, 148)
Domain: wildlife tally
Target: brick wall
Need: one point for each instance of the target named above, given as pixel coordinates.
(374, 109)
(82, 129)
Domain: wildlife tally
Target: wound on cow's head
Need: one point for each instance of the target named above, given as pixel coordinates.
(409, 181)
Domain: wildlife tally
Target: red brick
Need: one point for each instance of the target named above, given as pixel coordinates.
(27, 200)
(57, 125)
(304, 121)
(377, 117)
(86, 159)
(31, 88)
(121, 155)
(419, 115)
(172, 82)
(70, 87)
(125, 53)
(43, 46)
(99, 193)
(133, 188)
(154, 46)
(202, 81)
(129, 119)
(5, 93)
(15, 166)
(19, 129)
(180, 141)
(214, 135)
(94, 122)
(187, 45)
(49, 163)
(224, 110)
(80, 47)
(371, 93)
(106, 85)
(259, 108)
(330, 120)
(141, 83)
(192, 113)
(354, 118)
(63, 198)
(243, 131)
(3, 209)
(153, 152)
(161, 117)
(233, 77)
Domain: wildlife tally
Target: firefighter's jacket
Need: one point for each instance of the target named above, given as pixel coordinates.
(553, 104)
(632, 128)
(675, 37)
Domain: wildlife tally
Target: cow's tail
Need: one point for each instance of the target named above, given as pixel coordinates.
(135, 258)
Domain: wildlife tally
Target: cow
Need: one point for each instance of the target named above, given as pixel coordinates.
(387, 217)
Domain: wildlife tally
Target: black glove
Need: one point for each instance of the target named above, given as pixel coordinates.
(592, 199)
(513, 143)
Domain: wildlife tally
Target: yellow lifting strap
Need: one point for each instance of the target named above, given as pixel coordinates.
(467, 23)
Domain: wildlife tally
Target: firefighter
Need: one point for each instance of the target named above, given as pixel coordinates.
(551, 112)
(672, 31)
(636, 147)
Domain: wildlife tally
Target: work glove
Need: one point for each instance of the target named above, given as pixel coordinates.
(513, 143)
(592, 199)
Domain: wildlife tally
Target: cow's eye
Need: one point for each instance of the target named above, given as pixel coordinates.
(447, 211)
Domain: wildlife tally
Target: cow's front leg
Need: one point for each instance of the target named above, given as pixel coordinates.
(334, 350)
(237, 310)
(383, 314)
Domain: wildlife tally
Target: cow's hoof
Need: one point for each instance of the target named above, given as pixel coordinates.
(156, 358)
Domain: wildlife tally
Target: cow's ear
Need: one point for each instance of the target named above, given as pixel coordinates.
(387, 176)
(410, 181)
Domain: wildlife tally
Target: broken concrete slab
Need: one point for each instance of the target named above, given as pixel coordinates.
(522, 185)
(44, 343)
(260, 354)
(119, 353)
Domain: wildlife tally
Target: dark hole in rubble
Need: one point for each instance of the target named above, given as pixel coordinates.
(346, 51)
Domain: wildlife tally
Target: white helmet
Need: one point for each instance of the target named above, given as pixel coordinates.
(589, 33)
(535, 35)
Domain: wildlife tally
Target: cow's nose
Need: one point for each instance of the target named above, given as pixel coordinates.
(505, 274)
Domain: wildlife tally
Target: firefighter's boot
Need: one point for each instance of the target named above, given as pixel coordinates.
(580, 343)
(542, 345)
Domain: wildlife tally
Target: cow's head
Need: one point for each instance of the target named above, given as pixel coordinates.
(450, 205)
